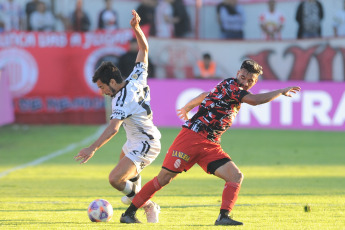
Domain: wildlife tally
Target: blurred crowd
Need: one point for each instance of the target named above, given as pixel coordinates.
(167, 18)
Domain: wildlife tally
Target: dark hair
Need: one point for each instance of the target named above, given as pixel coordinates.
(252, 67)
(207, 56)
(107, 71)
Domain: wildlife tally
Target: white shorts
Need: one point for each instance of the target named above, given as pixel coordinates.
(142, 153)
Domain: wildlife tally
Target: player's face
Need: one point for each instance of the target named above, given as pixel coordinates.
(246, 80)
(106, 89)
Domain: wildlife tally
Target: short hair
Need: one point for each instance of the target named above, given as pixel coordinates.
(207, 56)
(107, 71)
(252, 67)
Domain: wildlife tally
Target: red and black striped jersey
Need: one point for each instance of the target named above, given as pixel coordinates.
(218, 110)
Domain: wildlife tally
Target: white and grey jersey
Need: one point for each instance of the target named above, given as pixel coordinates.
(132, 105)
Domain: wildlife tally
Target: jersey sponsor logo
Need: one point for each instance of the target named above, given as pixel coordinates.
(118, 112)
(177, 163)
(181, 155)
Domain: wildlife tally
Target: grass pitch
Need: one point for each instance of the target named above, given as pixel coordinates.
(284, 171)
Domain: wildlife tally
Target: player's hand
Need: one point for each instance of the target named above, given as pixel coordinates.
(135, 20)
(182, 114)
(84, 155)
(287, 91)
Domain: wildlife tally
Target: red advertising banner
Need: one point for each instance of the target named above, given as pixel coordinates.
(50, 74)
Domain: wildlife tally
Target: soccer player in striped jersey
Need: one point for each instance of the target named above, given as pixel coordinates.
(131, 109)
(199, 140)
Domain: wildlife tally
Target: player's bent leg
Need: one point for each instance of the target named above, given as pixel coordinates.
(146, 193)
(120, 175)
(229, 172)
(127, 200)
(233, 178)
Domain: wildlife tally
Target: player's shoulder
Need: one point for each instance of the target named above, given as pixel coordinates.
(140, 66)
(139, 70)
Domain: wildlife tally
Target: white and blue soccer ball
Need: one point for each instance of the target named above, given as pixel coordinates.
(100, 210)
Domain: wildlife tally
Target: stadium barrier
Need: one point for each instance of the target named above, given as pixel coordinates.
(50, 75)
(7, 112)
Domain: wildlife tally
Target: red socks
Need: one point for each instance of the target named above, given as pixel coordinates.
(230, 194)
(146, 193)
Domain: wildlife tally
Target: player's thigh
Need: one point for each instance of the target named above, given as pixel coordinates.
(122, 154)
(123, 171)
(212, 157)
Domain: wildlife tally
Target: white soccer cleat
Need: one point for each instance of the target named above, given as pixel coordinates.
(152, 211)
(126, 200)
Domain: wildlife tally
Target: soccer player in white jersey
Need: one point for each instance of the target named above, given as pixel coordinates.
(130, 108)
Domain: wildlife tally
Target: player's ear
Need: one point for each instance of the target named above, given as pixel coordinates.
(112, 82)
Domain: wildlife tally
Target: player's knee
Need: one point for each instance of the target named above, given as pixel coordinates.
(116, 181)
(239, 177)
(165, 178)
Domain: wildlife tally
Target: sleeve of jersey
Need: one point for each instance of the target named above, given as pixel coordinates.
(139, 73)
(236, 93)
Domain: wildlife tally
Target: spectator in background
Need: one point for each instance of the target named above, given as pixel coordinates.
(182, 27)
(339, 22)
(79, 19)
(271, 22)
(42, 19)
(206, 68)
(231, 19)
(30, 7)
(12, 15)
(108, 19)
(146, 10)
(309, 15)
(126, 60)
(164, 19)
(2, 24)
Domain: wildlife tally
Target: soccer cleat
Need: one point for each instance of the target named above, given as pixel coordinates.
(152, 211)
(126, 200)
(128, 219)
(227, 221)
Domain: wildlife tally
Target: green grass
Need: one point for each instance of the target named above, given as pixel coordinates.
(284, 171)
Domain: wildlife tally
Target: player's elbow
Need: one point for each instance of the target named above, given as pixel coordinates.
(115, 131)
(252, 102)
(144, 48)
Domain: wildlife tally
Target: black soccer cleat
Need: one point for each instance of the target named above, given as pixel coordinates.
(227, 221)
(128, 219)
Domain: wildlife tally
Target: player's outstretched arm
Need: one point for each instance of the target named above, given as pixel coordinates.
(257, 99)
(183, 112)
(141, 39)
(86, 153)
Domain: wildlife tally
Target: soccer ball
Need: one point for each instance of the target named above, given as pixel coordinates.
(100, 210)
